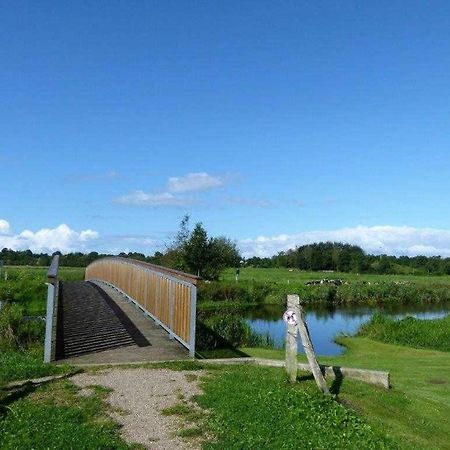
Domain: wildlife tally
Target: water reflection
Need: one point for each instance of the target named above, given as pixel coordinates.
(327, 321)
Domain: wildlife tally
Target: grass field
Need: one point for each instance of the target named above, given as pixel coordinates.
(300, 276)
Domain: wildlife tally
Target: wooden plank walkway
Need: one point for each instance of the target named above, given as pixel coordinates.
(97, 325)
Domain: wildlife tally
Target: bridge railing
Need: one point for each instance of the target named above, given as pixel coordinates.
(52, 310)
(168, 296)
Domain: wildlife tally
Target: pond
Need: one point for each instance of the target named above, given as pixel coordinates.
(326, 322)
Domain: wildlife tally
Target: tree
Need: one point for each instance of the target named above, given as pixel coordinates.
(194, 251)
(197, 250)
(223, 253)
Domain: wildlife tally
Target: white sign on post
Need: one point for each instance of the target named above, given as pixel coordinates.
(290, 317)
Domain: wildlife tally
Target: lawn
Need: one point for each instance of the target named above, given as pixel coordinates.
(416, 410)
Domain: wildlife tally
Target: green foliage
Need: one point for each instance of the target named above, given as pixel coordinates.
(218, 331)
(15, 332)
(433, 334)
(194, 251)
(21, 338)
(336, 256)
(25, 287)
(253, 408)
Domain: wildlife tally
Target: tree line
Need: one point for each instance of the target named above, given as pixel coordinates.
(192, 251)
(196, 252)
(339, 257)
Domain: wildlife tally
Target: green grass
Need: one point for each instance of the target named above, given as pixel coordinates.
(26, 286)
(295, 275)
(253, 407)
(417, 333)
(55, 417)
(416, 410)
(20, 365)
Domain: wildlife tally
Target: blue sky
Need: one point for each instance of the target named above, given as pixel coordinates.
(273, 123)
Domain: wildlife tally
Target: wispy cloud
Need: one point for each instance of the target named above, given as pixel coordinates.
(92, 177)
(387, 239)
(251, 202)
(140, 198)
(192, 182)
(195, 182)
(61, 238)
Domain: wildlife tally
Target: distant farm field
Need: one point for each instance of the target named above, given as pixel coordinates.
(300, 276)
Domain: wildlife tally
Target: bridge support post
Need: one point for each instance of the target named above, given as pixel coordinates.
(193, 321)
(52, 310)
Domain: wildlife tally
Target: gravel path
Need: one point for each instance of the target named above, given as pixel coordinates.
(143, 393)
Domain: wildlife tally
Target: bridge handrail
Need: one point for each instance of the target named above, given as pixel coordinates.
(168, 296)
(52, 273)
(52, 310)
(194, 279)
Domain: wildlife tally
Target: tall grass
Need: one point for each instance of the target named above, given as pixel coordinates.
(356, 293)
(431, 334)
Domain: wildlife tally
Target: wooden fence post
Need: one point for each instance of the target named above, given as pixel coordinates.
(309, 350)
(293, 303)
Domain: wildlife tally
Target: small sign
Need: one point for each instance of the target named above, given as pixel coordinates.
(290, 317)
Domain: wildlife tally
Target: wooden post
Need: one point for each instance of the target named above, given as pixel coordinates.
(309, 350)
(293, 303)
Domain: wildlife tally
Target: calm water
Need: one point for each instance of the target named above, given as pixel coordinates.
(326, 323)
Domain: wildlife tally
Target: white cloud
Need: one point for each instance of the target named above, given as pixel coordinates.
(140, 198)
(4, 226)
(61, 238)
(194, 182)
(386, 239)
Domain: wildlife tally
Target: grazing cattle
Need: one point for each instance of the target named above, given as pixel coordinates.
(336, 282)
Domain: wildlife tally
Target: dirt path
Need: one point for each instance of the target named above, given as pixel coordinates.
(143, 394)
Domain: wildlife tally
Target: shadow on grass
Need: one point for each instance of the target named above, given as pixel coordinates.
(337, 382)
(210, 344)
(6, 398)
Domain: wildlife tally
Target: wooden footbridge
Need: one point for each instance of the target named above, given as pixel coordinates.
(124, 311)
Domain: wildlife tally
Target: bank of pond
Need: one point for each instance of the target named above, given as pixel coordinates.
(421, 326)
